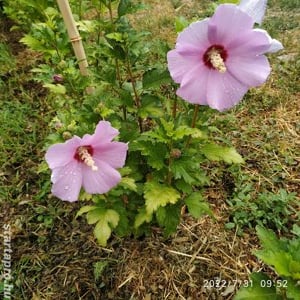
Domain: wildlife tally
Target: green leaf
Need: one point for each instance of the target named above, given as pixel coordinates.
(169, 218)
(142, 217)
(116, 36)
(181, 23)
(293, 289)
(159, 195)
(94, 215)
(128, 183)
(184, 130)
(108, 219)
(55, 88)
(196, 205)
(296, 230)
(124, 7)
(99, 268)
(282, 254)
(155, 153)
(84, 209)
(33, 43)
(256, 290)
(151, 107)
(269, 240)
(181, 169)
(155, 77)
(217, 153)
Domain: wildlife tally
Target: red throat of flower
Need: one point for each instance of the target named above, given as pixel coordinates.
(84, 154)
(215, 57)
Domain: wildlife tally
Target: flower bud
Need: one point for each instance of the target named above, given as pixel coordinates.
(66, 135)
(175, 153)
(57, 78)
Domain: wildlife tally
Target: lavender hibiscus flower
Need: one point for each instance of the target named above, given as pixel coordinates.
(90, 161)
(218, 59)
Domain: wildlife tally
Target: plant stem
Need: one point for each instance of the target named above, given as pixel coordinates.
(137, 99)
(110, 11)
(174, 108)
(118, 73)
(196, 110)
(169, 176)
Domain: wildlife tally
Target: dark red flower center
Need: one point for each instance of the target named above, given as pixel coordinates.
(79, 154)
(207, 56)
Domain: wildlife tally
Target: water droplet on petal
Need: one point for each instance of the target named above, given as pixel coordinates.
(66, 187)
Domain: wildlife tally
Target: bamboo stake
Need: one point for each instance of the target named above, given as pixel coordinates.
(75, 38)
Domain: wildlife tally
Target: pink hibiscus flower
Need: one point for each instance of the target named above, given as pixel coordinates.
(90, 161)
(218, 59)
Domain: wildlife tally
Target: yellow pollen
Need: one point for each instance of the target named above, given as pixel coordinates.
(217, 60)
(87, 158)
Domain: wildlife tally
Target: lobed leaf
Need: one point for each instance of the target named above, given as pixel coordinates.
(196, 205)
(108, 219)
(217, 152)
(159, 195)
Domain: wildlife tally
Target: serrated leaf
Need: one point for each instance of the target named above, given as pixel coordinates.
(168, 127)
(56, 88)
(154, 78)
(32, 43)
(84, 209)
(218, 153)
(124, 7)
(94, 215)
(293, 289)
(269, 240)
(256, 291)
(128, 183)
(180, 169)
(155, 152)
(196, 205)
(109, 219)
(116, 36)
(282, 254)
(159, 195)
(142, 217)
(99, 267)
(151, 107)
(169, 218)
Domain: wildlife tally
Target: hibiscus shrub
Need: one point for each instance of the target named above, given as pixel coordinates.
(143, 163)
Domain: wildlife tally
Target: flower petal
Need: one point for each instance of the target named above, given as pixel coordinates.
(254, 8)
(274, 44)
(61, 154)
(193, 38)
(223, 90)
(102, 180)
(250, 70)
(67, 181)
(249, 44)
(104, 133)
(113, 154)
(179, 64)
(194, 84)
(227, 22)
